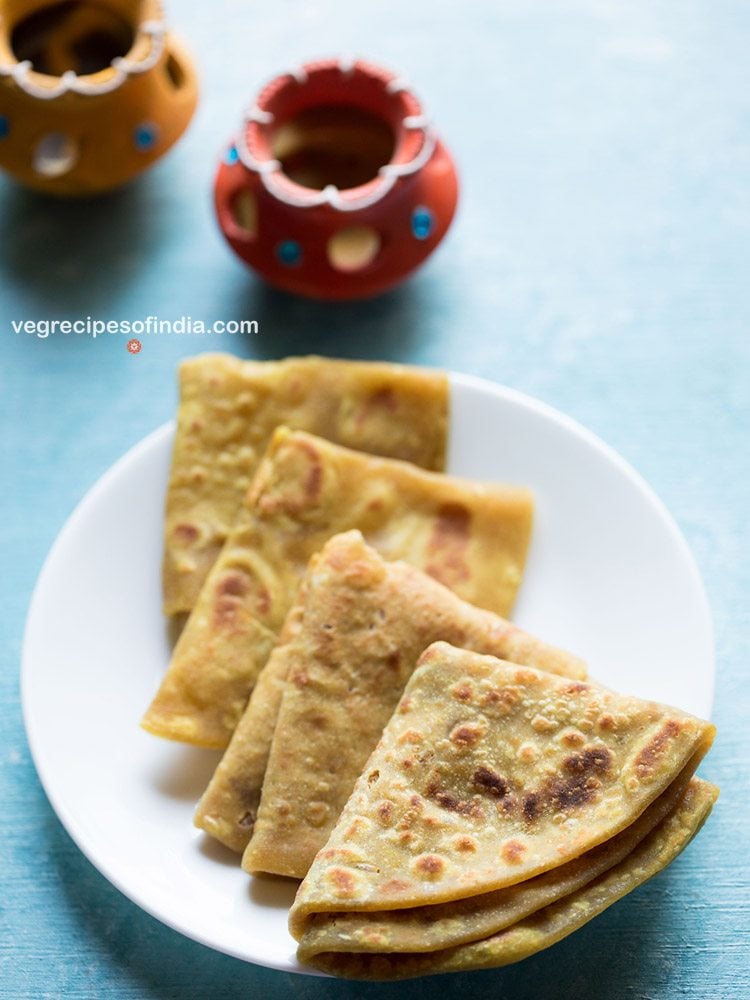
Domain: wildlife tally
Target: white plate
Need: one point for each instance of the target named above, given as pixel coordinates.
(609, 576)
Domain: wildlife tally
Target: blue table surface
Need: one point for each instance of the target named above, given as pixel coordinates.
(599, 261)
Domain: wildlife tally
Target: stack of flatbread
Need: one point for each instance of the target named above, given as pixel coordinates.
(502, 809)
(450, 809)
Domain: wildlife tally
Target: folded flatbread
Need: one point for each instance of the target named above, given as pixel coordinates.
(471, 537)
(545, 922)
(230, 408)
(487, 775)
(443, 925)
(353, 639)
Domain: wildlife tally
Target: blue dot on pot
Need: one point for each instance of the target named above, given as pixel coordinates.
(289, 252)
(231, 156)
(145, 137)
(4, 127)
(422, 222)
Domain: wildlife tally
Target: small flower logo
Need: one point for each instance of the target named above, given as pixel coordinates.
(134, 346)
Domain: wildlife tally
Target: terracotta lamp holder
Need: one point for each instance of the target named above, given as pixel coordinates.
(92, 92)
(336, 186)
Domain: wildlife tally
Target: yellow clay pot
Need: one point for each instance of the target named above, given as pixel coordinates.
(92, 92)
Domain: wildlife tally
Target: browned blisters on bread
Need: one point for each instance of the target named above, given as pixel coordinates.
(185, 534)
(343, 881)
(607, 722)
(541, 724)
(385, 399)
(593, 758)
(448, 544)
(411, 736)
(384, 812)
(572, 738)
(445, 799)
(411, 816)
(576, 687)
(314, 479)
(513, 851)
(449, 800)
(355, 828)
(316, 813)
(500, 700)
(430, 865)
(462, 692)
(467, 734)
(396, 885)
(647, 758)
(531, 806)
(405, 705)
(527, 677)
(225, 611)
(313, 483)
(452, 525)
(262, 601)
(228, 594)
(299, 678)
(581, 781)
(464, 844)
(491, 782)
(233, 583)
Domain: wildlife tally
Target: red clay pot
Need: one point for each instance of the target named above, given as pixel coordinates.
(336, 187)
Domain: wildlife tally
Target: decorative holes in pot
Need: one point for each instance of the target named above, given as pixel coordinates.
(245, 213)
(55, 154)
(353, 248)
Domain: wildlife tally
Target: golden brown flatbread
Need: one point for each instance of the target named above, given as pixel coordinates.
(543, 926)
(471, 537)
(230, 408)
(489, 774)
(229, 806)
(359, 626)
(445, 925)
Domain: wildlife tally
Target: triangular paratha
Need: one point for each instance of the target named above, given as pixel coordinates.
(443, 925)
(489, 774)
(545, 926)
(360, 626)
